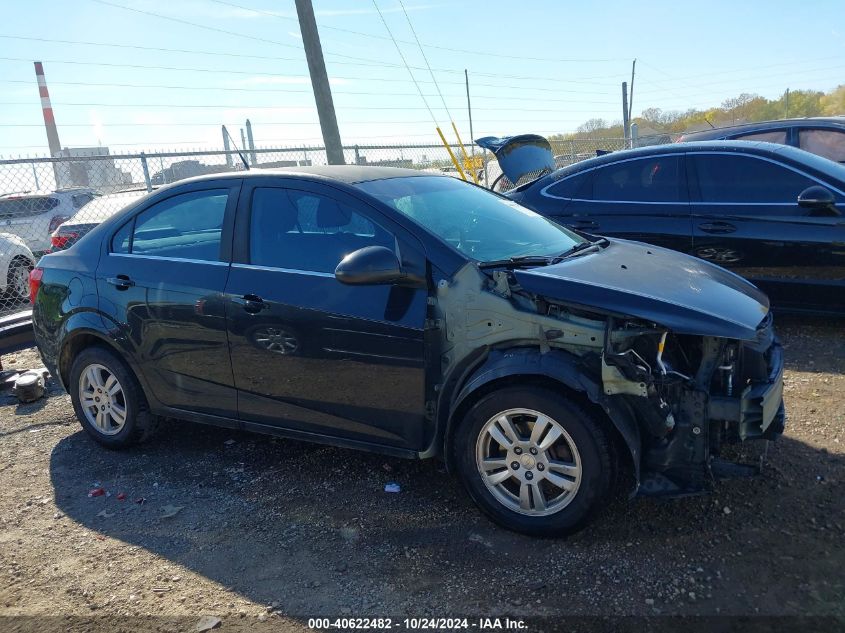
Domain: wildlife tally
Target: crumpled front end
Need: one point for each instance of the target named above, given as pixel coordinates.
(693, 396)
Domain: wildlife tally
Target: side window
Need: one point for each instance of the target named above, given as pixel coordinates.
(120, 240)
(571, 187)
(187, 226)
(724, 178)
(774, 136)
(827, 143)
(81, 199)
(300, 230)
(652, 179)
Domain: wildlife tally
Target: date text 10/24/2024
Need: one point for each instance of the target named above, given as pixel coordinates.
(435, 624)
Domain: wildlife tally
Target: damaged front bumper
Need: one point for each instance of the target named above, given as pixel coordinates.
(759, 412)
(689, 458)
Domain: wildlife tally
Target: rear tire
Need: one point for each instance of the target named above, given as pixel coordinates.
(534, 461)
(108, 400)
(17, 279)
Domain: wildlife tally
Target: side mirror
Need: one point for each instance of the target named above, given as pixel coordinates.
(371, 265)
(818, 201)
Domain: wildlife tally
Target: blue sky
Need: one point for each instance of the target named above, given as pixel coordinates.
(534, 66)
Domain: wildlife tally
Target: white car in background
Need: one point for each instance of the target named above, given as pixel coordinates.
(89, 216)
(16, 260)
(34, 215)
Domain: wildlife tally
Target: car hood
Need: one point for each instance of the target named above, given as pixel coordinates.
(682, 293)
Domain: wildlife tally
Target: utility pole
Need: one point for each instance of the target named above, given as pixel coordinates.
(626, 124)
(469, 111)
(631, 97)
(320, 82)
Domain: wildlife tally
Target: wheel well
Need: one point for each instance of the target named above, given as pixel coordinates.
(19, 258)
(620, 453)
(74, 346)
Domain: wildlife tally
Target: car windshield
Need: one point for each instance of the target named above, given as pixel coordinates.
(482, 225)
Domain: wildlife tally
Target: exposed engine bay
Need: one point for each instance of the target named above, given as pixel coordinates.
(676, 398)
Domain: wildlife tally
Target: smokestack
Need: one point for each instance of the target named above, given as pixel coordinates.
(47, 109)
(251, 142)
(226, 146)
(243, 140)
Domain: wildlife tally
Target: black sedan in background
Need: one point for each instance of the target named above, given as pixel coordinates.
(771, 213)
(824, 136)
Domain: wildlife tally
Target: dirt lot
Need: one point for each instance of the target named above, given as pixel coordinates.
(271, 532)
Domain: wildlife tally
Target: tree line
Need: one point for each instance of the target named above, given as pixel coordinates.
(746, 108)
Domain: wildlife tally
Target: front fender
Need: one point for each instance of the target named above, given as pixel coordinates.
(561, 367)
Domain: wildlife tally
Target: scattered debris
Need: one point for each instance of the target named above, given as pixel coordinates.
(161, 589)
(97, 492)
(477, 538)
(229, 442)
(206, 623)
(29, 386)
(141, 500)
(726, 510)
(170, 511)
(121, 496)
(105, 514)
(349, 534)
(392, 487)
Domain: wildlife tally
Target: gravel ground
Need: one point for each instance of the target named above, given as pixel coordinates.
(264, 533)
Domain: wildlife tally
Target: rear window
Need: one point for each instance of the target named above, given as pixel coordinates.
(25, 207)
(186, 226)
(827, 143)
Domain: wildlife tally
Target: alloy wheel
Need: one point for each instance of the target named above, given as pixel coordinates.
(528, 462)
(103, 400)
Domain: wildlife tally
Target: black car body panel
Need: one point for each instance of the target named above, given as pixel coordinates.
(734, 203)
(824, 136)
(693, 296)
(235, 318)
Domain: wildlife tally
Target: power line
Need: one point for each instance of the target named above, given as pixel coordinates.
(236, 106)
(432, 46)
(366, 62)
(256, 123)
(292, 91)
(287, 75)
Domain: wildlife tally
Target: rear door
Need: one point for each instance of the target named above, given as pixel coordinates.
(746, 217)
(161, 286)
(642, 199)
(310, 354)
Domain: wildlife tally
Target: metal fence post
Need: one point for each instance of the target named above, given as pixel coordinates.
(146, 171)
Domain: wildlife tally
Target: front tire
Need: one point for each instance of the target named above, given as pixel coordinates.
(534, 461)
(108, 400)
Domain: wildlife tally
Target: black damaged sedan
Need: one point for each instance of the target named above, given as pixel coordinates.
(418, 316)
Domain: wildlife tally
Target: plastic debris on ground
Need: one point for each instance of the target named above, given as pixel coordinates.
(97, 492)
(170, 511)
(392, 487)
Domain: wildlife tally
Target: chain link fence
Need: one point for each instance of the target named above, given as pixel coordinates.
(47, 204)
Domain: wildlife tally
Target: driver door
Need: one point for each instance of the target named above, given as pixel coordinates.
(309, 354)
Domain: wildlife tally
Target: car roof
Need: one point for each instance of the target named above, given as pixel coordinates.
(44, 193)
(719, 132)
(349, 174)
(828, 167)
